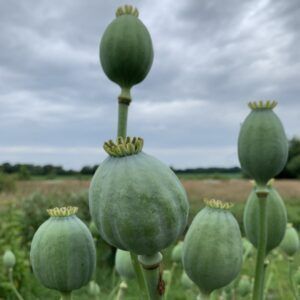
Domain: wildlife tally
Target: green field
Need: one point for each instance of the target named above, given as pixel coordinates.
(23, 209)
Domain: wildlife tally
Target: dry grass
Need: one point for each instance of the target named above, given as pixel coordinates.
(228, 190)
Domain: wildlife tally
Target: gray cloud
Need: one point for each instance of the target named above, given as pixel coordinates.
(210, 59)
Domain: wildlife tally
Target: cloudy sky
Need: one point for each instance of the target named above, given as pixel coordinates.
(211, 58)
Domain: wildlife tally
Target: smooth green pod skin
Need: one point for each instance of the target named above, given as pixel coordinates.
(213, 250)
(176, 254)
(137, 203)
(62, 254)
(262, 145)
(124, 265)
(276, 219)
(290, 242)
(126, 51)
(9, 259)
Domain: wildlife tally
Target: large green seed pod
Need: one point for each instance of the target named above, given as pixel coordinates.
(9, 259)
(262, 143)
(290, 243)
(62, 254)
(126, 51)
(276, 218)
(137, 203)
(124, 265)
(213, 250)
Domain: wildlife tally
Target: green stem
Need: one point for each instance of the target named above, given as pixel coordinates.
(152, 273)
(214, 295)
(122, 120)
(122, 291)
(170, 280)
(113, 291)
(14, 289)
(258, 289)
(294, 292)
(139, 275)
(66, 296)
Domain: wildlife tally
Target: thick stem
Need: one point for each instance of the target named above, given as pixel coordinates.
(122, 121)
(258, 290)
(170, 280)
(14, 289)
(66, 296)
(124, 101)
(153, 276)
(140, 277)
(293, 289)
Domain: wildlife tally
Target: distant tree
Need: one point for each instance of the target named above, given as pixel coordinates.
(23, 173)
(292, 168)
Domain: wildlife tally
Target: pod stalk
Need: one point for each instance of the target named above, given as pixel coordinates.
(258, 289)
(153, 275)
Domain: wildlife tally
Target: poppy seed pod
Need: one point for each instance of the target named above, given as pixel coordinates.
(62, 254)
(126, 51)
(290, 242)
(137, 203)
(9, 259)
(276, 218)
(176, 254)
(262, 143)
(124, 265)
(212, 249)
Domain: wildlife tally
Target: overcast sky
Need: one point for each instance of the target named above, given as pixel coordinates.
(211, 58)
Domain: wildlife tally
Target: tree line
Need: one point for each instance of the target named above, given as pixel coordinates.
(25, 171)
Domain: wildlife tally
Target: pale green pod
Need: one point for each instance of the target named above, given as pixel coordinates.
(166, 276)
(244, 286)
(186, 282)
(9, 259)
(94, 289)
(62, 254)
(176, 254)
(213, 250)
(124, 265)
(262, 143)
(290, 242)
(137, 203)
(276, 218)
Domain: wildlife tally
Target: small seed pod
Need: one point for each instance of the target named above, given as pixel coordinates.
(186, 282)
(213, 250)
(276, 218)
(93, 229)
(244, 287)
(9, 259)
(126, 51)
(262, 143)
(166, 276)
(137, 203)
(62, 254)
(123, 264)
(290, 242)
(94, 289)
(247, 248)
(176, 255)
